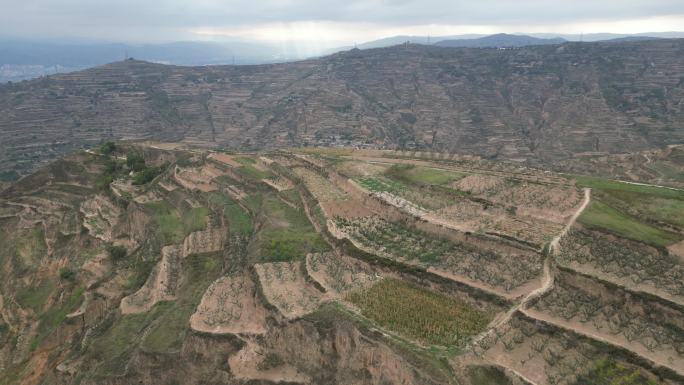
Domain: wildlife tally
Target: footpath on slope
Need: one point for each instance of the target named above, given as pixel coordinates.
(547, 283)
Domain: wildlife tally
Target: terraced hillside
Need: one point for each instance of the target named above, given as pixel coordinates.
(539, 103)
(144, 262)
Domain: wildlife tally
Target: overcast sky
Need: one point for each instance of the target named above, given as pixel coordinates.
(326, 22)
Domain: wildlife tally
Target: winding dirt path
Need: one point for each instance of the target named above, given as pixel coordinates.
(573, 219)
(547, 283)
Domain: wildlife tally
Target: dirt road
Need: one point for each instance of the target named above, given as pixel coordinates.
(573, 219)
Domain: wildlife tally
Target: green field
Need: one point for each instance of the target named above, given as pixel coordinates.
(601, 216)
(238, 220)
(379, 184)
(420, 314)
(287, 234)
(645, 202)
(172, 226)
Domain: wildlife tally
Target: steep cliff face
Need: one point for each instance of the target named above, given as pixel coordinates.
(540, 103)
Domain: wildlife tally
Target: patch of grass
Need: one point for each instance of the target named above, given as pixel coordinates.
(55, 315)
(171, 226)
(380, 184)
(600, 215)
(287, 234)
(418, 313)
(646, 202)
(239, 221)
(422, 175)
(35, 297)
(166, 222)
(487, 375)
(606, 184)
(170, 329)
(195, 219)
(249, 169)
(116, 338)
(608, 372)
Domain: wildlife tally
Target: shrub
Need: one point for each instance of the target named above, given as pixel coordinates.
(103, 181)
(135, 161)
(107, 148)
(146, 175)
(66, 274)
(116, 252)
(272, 360)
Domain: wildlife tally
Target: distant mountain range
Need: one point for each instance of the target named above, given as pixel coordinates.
(21, 59)
(24, 59)
(499, 40)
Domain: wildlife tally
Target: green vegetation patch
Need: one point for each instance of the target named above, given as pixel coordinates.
(239, 220)
(249, 169)
(172, 226)
(422, 175)
(170, 329)
(647, 203)
(55, 315)
(601, 216)
(418, 313)
(487, 375)
(376, 184)
(287, 234)
(608, 372)
(35, 297)
(113, 341)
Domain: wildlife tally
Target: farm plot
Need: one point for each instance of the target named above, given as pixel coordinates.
(322, 189)
(395, 241)
(284, 286)
(624, 262)
(230, 305)
(529, 211)
(420, 175)
(653, 205)
(546, 355)
(423, 197)
(279, 182)
(339, 274)
(285, 232)
(419, 314)
(355, 169)
(197, 178)
(650, 329)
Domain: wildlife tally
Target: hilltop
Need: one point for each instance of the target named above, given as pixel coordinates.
(535, 104)
(501, 40)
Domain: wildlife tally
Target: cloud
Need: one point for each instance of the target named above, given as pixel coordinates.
(326, 21)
